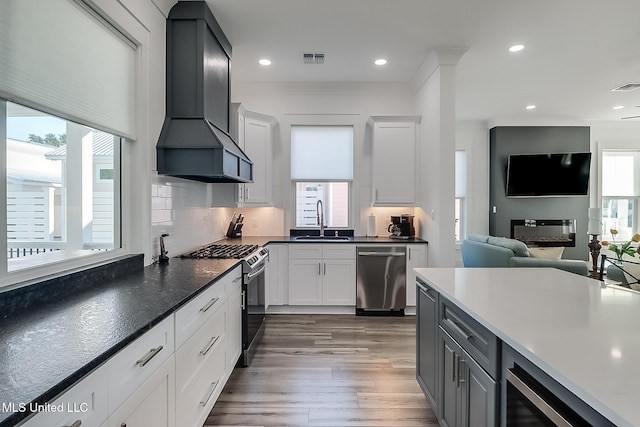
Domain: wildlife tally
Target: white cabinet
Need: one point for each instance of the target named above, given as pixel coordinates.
(322, 274)
(277, 275)
(234, 337)
(85, 403)
(209, 333)
(152, 404)
(416, 258)
(394, 163)
(254, 133)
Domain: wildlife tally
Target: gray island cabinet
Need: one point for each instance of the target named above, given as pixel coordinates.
(457, 362)
(506, 347)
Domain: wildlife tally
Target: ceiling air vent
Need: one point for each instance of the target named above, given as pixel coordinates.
(312, 58)
(626, 87)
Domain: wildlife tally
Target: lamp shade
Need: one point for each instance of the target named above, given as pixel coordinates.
(595, 221)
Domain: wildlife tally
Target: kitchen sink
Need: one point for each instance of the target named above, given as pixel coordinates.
(323, 238)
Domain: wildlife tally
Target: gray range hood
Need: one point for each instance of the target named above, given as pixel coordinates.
(194, 142)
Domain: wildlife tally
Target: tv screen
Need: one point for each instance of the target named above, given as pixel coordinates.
(548, 175)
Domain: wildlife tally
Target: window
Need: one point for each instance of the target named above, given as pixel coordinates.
(620, 193)
(71, 78)
(322, 170)
(460, 194)
(57, 198)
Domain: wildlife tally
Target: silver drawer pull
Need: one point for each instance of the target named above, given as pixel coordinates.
(203, 403)
(458, 329)
(147, 357)
(76, 423)
(237, 279)
(209, 304)
(209, 345)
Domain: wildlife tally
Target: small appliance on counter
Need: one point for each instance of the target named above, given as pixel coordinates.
(235, 226)
(401, 227)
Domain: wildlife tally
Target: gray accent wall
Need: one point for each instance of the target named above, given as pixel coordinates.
(506, 140)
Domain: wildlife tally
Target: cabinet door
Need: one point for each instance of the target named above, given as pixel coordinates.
(416, 258)
(480, 395)
(427, 346)
(257, 145)
(450, 394)
(234, 336)
(277, 276)
(339, 282)
(152, 404)
(305, 281)
(394, 164)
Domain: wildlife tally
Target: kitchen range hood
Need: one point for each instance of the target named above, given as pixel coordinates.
(194, 142)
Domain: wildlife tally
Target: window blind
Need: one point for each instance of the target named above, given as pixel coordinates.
(60, 57)
(620, 176)
(322, 153)
(461, 173)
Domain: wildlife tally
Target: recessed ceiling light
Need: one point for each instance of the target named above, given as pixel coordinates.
(618, 107)
(264, 62)
(380, 61)
(530, 107)
(516, 48)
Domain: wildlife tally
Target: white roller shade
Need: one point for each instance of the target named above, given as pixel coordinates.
(461, 173)
(322, 153)
(620, 176)
(57, 56)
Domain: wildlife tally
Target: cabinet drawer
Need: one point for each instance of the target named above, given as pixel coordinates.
(200, 350)
(85, 402)
(194, 404)
(477, 340)
(339, 251)
(135, 363)
(305, 251)
(190, 317)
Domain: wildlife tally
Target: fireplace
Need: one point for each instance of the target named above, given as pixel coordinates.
(544, 232)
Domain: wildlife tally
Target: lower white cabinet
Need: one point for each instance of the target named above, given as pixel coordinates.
(416, 258)
(277, 275)
(169, 376)
(322, 274)
(151, 404)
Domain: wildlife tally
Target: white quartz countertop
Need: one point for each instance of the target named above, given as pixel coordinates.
(582, 333)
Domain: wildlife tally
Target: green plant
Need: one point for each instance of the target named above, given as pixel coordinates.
(622, 249)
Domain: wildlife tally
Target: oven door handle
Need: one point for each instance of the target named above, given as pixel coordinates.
(537, 400)
(257, 273)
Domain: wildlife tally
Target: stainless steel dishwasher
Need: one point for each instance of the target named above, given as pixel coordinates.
(381, 280)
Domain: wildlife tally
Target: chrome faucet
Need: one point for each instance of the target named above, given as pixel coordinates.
(320, 216)
(163, 252)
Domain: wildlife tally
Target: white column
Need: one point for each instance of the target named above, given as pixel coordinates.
(435, 99)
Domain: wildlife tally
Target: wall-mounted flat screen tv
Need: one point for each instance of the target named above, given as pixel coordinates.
(548, 175)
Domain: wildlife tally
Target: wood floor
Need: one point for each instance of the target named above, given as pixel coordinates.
(328, 370)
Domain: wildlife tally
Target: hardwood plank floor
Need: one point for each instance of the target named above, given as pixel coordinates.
(328, 370)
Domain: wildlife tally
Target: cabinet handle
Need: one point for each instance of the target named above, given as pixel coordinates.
(236, 279)
(325, 268)
(77, 423)
(454, 364)
(209, 304)
(460, 366)
(207, 396)
(246, 194)
(319, 269)
(147, 357)
(409, 251)
(243, 305)
(213, 340)
(457, 328)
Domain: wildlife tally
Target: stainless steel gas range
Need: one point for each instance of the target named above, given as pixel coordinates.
(254, 262)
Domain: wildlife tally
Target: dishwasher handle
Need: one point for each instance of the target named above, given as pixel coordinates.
(384, 254)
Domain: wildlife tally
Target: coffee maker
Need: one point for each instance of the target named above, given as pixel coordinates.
(401, 227)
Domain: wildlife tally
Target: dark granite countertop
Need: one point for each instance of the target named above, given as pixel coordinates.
(265, 240)
(45, 350)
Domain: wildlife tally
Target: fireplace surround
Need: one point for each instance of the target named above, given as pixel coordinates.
(544, 232)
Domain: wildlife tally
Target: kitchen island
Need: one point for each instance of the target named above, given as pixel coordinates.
(580, 332)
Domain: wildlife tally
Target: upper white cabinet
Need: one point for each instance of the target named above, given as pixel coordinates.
(394, 164)
(254, 133)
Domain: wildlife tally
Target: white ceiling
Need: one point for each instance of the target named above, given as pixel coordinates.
(576, 50)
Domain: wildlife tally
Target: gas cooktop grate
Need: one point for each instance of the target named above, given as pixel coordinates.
(222, 251)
